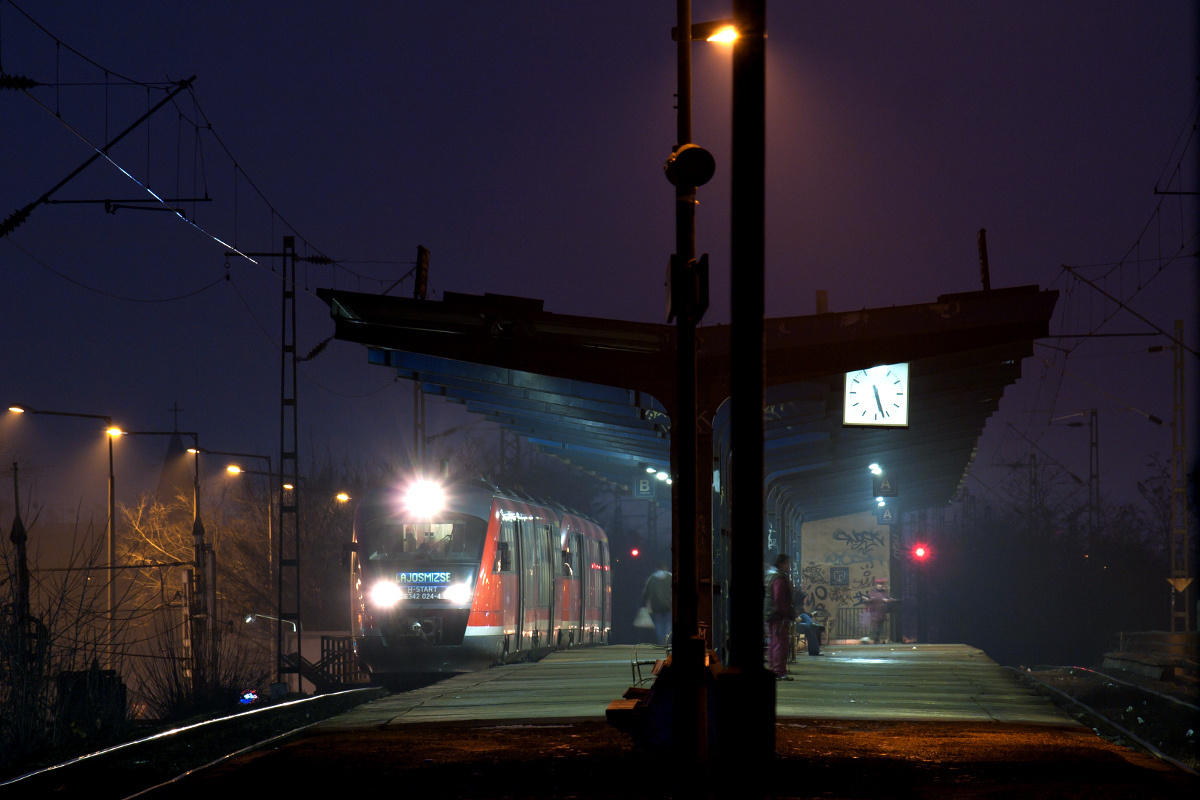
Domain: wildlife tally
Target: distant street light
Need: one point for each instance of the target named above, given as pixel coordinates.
(234, 469)
(205, 572)
(251, 617)
(112, 513)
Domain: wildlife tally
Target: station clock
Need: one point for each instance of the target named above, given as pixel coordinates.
(877, 397)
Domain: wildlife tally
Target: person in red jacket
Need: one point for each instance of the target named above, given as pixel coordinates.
(780, 613)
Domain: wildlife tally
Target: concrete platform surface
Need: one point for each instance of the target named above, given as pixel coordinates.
(861, 722)
(863, 682)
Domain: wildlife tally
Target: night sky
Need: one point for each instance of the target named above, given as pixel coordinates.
(523, 143)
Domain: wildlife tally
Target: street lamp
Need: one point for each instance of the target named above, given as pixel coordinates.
(112, 432)
(235, 469)
(205, 574)
(252, 616)
(747, 687)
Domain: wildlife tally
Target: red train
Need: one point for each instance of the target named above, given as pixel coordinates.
(452, 578)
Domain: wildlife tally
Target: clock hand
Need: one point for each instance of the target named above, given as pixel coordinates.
(878, 402)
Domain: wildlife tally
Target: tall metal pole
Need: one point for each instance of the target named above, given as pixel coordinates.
(1182, 580)
(690, 713)
(112, 554)
(747, 725)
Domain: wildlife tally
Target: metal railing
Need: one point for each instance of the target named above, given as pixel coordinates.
(339, 663)
(1180, 648)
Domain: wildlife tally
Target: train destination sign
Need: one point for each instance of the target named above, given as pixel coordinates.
(404, 578)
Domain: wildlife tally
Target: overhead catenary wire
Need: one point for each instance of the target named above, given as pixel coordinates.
(59, 43)
(104, 154)
(113, 295)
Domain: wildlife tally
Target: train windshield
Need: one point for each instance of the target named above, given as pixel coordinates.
(391, 539)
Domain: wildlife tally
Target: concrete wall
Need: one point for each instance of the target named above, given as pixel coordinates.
(840, 559)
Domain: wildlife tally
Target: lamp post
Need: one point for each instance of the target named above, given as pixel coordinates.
(112, 432)
(253, 616)
(688, 167)
(234, 469)
(205, 576)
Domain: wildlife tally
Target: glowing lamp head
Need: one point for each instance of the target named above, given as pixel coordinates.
(724, 35)
(424, 498)
(114, 432)
(234, 469)
(385, 594)
(17, 409)
(342, 497)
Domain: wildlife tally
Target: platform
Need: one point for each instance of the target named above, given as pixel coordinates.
(863, 682)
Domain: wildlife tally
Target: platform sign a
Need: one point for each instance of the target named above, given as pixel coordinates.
(642, 486)
(884, 485)
(887, 516)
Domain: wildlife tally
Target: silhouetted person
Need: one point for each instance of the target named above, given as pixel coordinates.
(657, 597)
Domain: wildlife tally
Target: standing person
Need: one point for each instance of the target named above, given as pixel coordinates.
(657, 597)
(876, 609)
(780, 613)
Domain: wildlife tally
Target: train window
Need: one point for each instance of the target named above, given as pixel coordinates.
(505, 547)
(457, 540)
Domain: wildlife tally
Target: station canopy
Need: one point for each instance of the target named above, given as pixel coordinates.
(599, 393)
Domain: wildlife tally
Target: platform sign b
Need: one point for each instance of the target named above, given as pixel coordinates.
(642, 487)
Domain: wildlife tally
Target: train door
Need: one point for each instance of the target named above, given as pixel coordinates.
(548, 570)
(509, 569)
(527, 591)
(605, 591)
(580, 571)
(594, 583)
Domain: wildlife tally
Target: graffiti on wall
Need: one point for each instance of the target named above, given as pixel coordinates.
(842, 559)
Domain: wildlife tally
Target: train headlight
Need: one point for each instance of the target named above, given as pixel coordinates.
(424, 498)
(385, 594)
(457, 593)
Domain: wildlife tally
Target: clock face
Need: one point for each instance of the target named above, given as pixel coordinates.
(877, 397)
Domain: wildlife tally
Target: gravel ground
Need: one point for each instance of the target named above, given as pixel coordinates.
(1172, 728)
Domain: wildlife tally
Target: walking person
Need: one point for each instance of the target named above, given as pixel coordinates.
(780, 613)
(657, 598)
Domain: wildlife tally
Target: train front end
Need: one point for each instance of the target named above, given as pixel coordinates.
(415, 563)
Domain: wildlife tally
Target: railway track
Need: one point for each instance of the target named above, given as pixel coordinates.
(1139, 717)
(1162, 720)
(133, 769)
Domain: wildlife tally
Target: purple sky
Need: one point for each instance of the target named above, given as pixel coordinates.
(523, 145)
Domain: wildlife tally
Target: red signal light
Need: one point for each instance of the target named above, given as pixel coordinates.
(920, 552)
(634, 552)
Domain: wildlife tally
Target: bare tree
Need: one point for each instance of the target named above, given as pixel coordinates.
(52, 642)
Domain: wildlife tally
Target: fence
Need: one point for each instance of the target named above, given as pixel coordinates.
(851, 626)
(1180, 647)
(338, 661)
